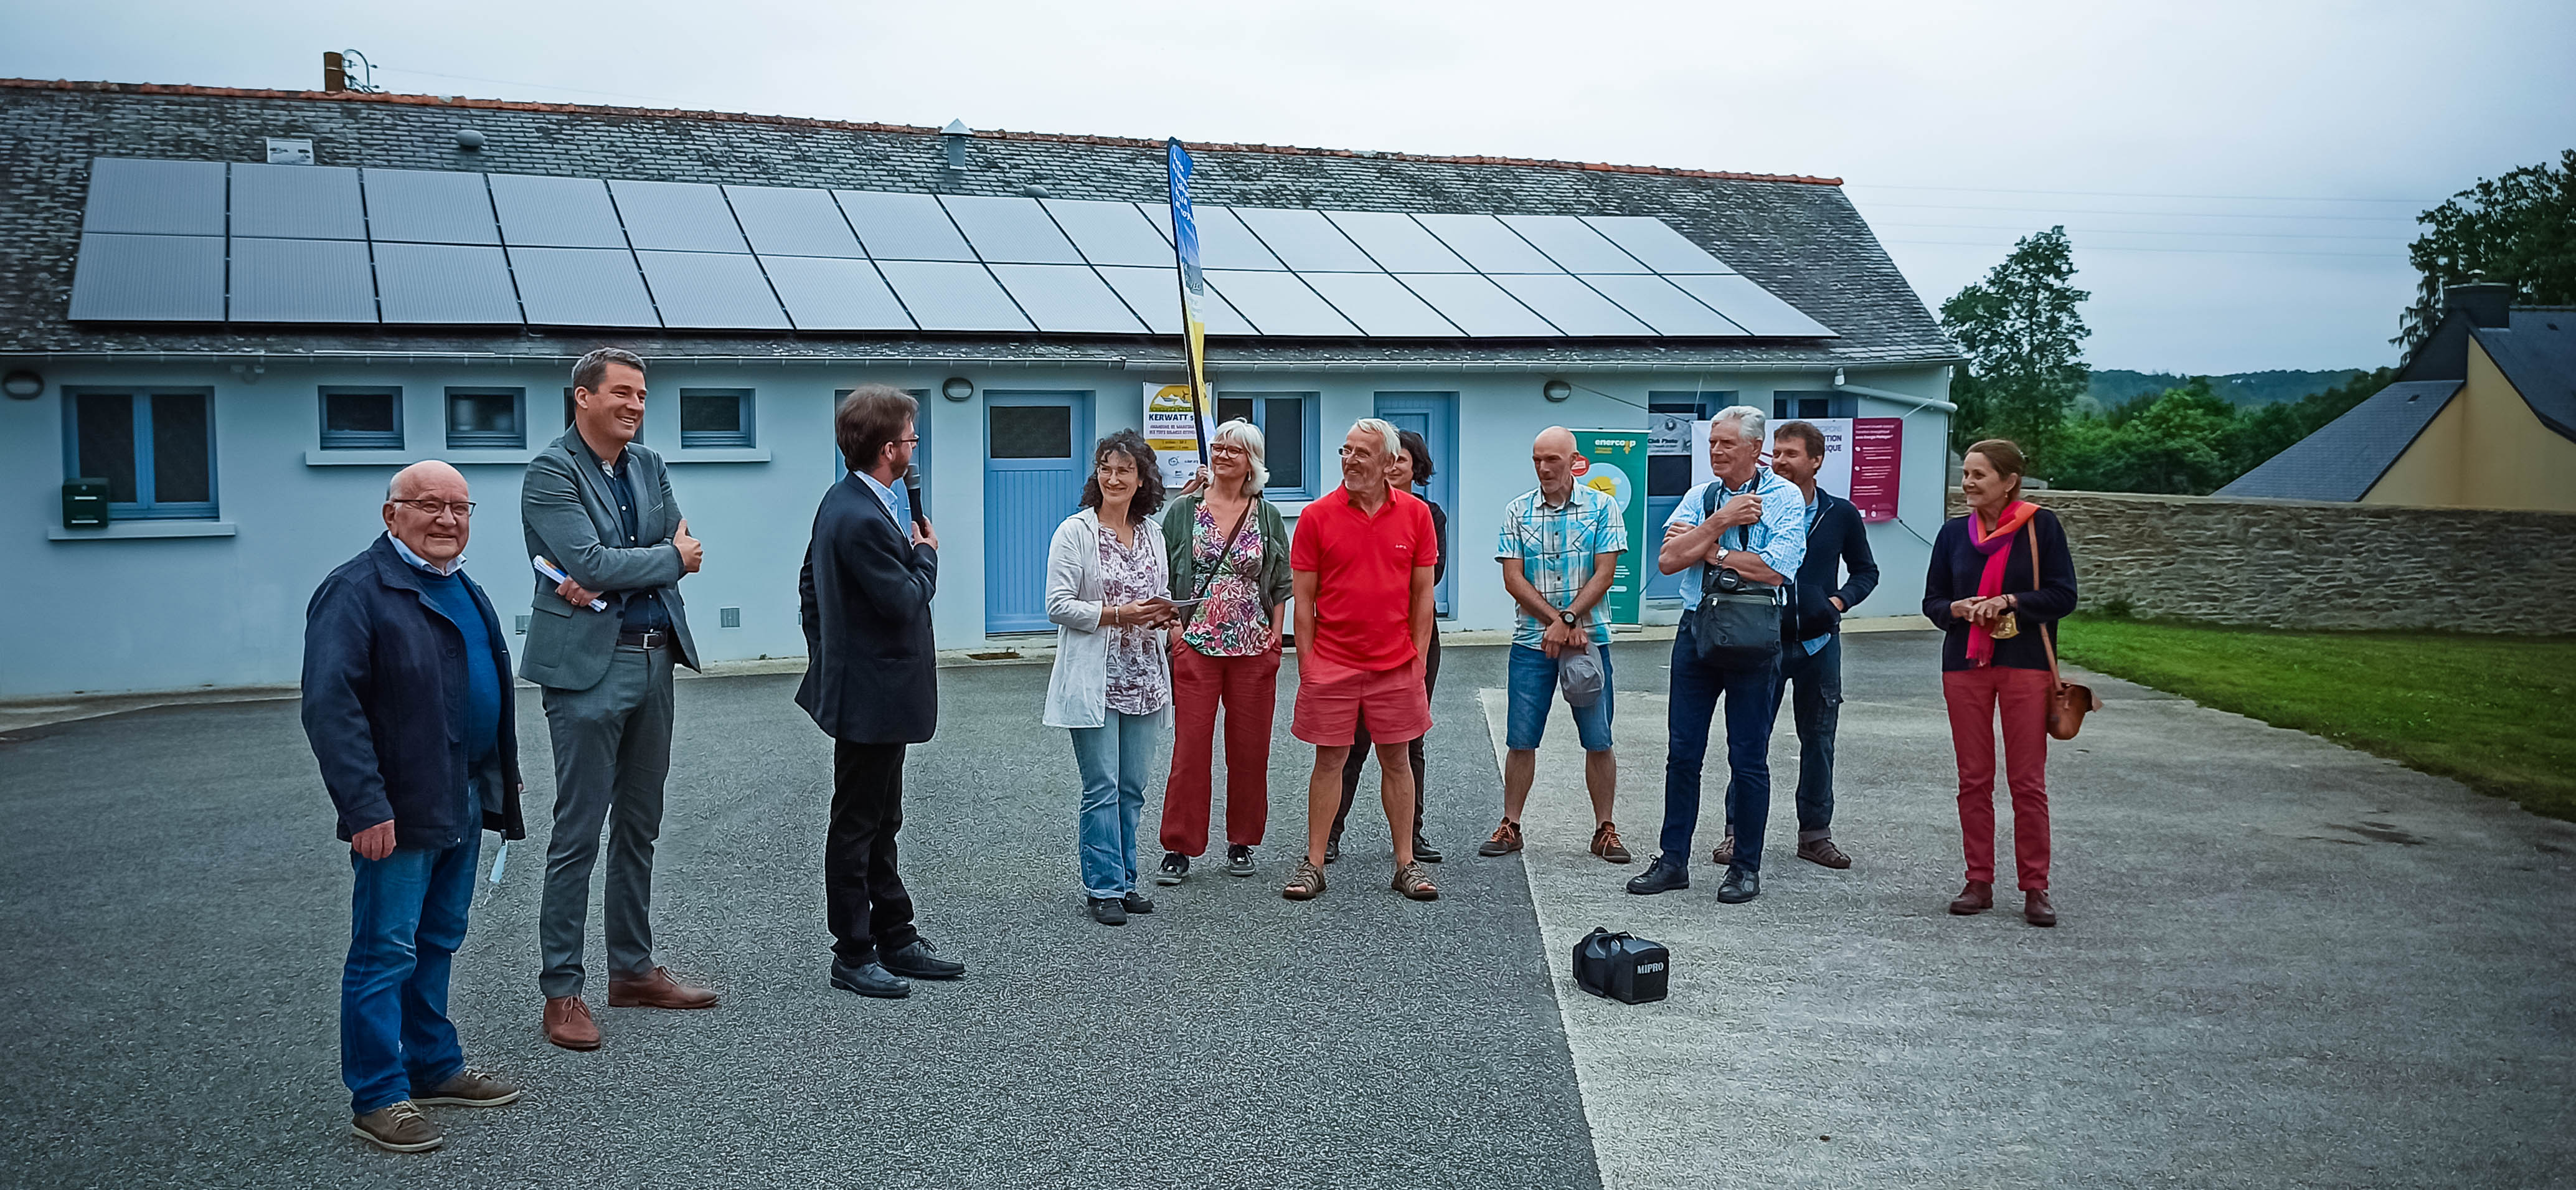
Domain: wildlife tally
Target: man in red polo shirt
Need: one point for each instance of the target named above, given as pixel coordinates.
(1362, 561)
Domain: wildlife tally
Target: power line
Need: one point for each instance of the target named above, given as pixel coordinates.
(2115, 231)
(518, 83)
(2128, 194)
(1950, 206)
(2202, 251)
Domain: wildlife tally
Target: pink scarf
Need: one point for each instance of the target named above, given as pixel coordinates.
(1996, 547)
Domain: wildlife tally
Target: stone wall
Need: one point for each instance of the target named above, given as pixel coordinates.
(2297, 564)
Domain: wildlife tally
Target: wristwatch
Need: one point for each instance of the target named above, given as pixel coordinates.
(1722, 552)
(1565, 615)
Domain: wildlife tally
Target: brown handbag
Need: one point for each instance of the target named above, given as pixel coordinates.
(2068, 702)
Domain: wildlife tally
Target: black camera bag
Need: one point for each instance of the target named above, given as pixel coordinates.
(1621, 966)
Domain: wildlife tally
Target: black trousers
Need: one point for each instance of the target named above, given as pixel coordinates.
(1361, 750)
(863, 896)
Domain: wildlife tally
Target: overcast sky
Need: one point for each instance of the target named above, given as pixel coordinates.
(2239, 178)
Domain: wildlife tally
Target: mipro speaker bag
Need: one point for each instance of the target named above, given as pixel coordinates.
(1621, 967)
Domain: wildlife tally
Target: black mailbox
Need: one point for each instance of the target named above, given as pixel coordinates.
(85, 504)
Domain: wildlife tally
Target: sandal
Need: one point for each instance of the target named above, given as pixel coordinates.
(1410, 880)
(1305, 883)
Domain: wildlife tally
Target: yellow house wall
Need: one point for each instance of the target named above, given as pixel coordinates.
(2485, 450)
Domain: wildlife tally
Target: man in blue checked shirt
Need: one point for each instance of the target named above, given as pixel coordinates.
(1750, 521)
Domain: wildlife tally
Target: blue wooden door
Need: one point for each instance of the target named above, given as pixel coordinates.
(1037, 451)
(1435, 417)
(1667, 481)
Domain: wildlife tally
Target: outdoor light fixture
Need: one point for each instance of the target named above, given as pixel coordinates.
(23, 386)
(958, 388)
(469, 140)
(1557, 390)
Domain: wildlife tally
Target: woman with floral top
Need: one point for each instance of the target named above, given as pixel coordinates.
(1227, 548)
(1111, 685)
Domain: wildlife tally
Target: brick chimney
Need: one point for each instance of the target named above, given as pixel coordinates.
(2487, 303)
(335, 75)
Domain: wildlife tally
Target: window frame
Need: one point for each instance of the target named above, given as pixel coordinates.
(746, 404)
(359, 439)
(483, 439)
(144, 507)
(1838, 405)
(1308, 401)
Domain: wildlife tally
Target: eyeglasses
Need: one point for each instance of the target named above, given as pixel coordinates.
(1227, 448)
(1348, 453)
(431, 508)
(915, 440)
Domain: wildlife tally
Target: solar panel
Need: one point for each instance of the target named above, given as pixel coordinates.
(1654, 301)
(135, 278)
(717, 290)
(543, 212)
(1111, 233)
(1752, 307)
(1570, 242)
(1306, 241)
(177, 198)
(677, 217)
(951, 296)
(1010, 230)
(1399, 244)
(1575, 308)
(1067, 298)
(581, 286)
(790, 222)
(1224, 243)
(1278, 303)
(301, 280)
(903, 226)
(445, 283)
(299, 202)
(1477, 305)
(826, 293)
(1380, 304)
(1156, 295)
(1487, 244)
(428, 207)
(1655, 243)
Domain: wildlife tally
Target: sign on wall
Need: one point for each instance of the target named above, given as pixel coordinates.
(1172, 429)
(1613, 462)
(1863, 456)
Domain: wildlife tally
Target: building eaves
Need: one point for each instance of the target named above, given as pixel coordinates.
(2344, 457)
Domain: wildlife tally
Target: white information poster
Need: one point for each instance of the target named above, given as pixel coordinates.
(1836, 475)
(1173, 432)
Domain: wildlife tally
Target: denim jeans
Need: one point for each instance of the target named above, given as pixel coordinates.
(407, 917)
(1751, 703)
(1531, 681)
(1115, 758)
(1817, 709)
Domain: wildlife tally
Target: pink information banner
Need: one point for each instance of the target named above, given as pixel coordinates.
(1877, 450)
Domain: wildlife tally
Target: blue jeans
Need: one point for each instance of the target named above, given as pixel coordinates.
(407, 917)
(1752, 701)
(1532, 683)
(1817, 709)
(1115, 758)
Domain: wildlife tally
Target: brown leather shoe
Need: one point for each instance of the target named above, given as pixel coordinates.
(1823, 851)
(2036, 910)
(1606, 844)
(1978, 897)
(657, 990)
(568, 1023)
(1724, 852)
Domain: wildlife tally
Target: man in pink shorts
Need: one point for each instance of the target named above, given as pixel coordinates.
(1362, 563)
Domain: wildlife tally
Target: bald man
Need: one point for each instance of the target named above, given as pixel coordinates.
(1559, 546)
(407, 706)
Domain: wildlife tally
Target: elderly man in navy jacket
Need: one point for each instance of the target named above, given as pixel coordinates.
(407, 705)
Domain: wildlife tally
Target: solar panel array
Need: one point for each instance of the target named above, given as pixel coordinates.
(198, 241)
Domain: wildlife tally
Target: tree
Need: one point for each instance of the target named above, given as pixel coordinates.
(2024, 341)
(2175, 442)
(2519, 229)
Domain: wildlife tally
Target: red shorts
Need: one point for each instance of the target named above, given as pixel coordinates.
(1332, 697)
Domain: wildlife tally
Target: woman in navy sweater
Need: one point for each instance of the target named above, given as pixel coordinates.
(2000, 622)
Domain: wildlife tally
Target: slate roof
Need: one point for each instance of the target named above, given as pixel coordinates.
(2345, 456)
(1798, 237)
(2536, 349)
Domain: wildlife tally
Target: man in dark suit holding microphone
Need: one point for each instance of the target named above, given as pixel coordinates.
(872, 684)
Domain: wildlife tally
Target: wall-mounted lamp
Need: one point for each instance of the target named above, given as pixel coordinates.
(1556, 390)
(23, 386)
(469, 140)
(958, 388)
(249, 373)
(1838, 378)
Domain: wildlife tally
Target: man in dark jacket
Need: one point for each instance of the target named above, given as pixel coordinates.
(872, 684)
(1811, 648)
(407, 705)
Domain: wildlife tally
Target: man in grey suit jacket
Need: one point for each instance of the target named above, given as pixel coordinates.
(599, 506)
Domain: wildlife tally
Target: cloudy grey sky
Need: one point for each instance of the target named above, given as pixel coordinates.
(2239, 178)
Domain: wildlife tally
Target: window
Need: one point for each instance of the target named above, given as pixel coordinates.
(156, 450)
(1288, 437)
(1785, 405)
(715, 417)
(362, 419)
(1032, 431)
(487, 418)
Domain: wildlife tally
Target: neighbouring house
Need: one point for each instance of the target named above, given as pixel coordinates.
(2483, 415)
(237, 312)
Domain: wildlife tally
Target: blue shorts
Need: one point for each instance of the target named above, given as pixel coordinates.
(1533, 687)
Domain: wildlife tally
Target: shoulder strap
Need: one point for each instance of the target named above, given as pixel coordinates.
(1209, 579)
(2046, 637)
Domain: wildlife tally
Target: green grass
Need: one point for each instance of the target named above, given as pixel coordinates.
(2496, 713)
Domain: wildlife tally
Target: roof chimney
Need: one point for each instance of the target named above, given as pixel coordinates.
(2486, 303)
(335, 75)
(954, 137)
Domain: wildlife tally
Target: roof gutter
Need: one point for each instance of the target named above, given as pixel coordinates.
(1892, 395)
(1169, 364)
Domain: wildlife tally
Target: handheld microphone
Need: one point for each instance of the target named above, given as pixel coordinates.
(912, 491)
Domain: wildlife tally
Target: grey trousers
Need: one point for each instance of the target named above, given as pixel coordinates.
(612, 747)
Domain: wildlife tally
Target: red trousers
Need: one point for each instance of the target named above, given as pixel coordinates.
(1249, 689)
(1973, 696)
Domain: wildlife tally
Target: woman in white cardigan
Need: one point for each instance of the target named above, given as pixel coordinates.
(1112, 686)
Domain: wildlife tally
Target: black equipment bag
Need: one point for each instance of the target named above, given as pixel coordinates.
(1622, 967)
(1737, 623)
